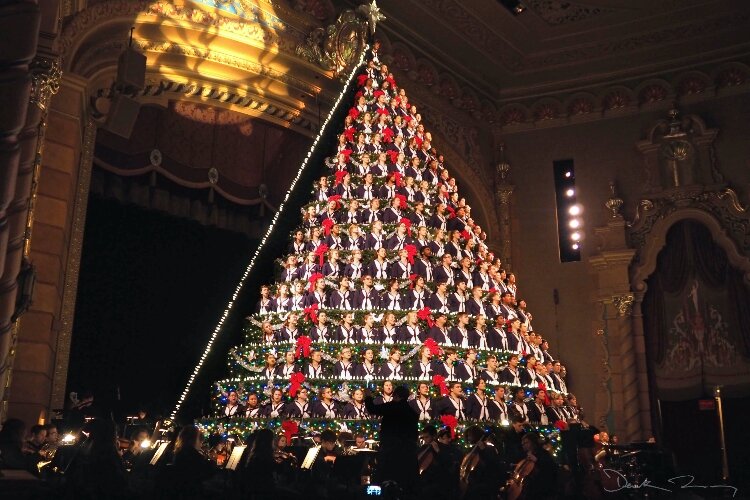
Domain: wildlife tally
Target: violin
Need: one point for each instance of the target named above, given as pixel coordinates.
(426, 457)
(523, 469)
(470, 462)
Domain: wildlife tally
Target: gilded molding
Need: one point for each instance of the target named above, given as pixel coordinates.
(70, 285)
(337, 47)
(623, 304)
(45, 80)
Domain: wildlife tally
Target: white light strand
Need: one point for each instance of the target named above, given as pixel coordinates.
(250, 266)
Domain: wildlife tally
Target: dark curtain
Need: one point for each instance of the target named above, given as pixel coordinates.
(690, 252)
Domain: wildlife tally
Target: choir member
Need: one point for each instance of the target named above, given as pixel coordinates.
(289, 367)
(300, 407)
(366, 297)
(460, 335)
(478, 404)
(422, 404)
(491, 375)
(392, 369)
(423, 368)
(447, 368)
(498, 406)
(275, 407)
(537, 411)
(344, 368)
(267, 333)
(233, 408)
(288, 332)
(319, 332)
(510, 374)
(252, 410)
(468, 370)
(367, 369)
(265, 304)
(314, 368)
(356, 407)
(438, 332)
(454, 403)
(518, 405)
(325, 406)
(386, 394)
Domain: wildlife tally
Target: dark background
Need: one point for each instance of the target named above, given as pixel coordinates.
(151, 290)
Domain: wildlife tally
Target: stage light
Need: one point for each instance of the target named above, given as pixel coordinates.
(574, 224)
(575, 236)
(574, 210)
(568, 174)
(570, 192)
(146, 443)
(575, 246)
(69, 438)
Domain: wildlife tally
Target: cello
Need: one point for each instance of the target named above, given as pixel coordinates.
(514, 486)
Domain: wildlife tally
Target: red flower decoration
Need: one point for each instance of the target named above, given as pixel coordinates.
(561, 425)
(388, 136)
(412, 279)
(393, 153)
(354, 113)
(425, 314)
(297, 379)
(290, 429)
(362, 79)
(451, 422)
(322, 249)
(465, 234)
(382, 111)
(378, 93)
(311, 312)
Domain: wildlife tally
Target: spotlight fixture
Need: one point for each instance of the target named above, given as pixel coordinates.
(569, 224)
(516, 7)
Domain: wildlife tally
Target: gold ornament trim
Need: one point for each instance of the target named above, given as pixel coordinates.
(623, 303)
(70, 285)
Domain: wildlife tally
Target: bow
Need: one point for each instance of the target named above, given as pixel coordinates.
(297, 379)
(411, 250)
(439, 382)
(393, 153)
(354, 113)
(465, 234)
(451, 422)
(290, 428)
(337, 199)
(433, 347)
(339, 178)
(323, 248)
(412, 280)
(314, 279)
(397, 178)
(362, 79)
(311, 313)
(425, 314)
(388, 135)
(349, 133)
(403, 200)
(382, 112)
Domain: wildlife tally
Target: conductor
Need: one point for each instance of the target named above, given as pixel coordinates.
(398, 438)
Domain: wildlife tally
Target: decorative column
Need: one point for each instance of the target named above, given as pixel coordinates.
(503, 191)
(619, 403)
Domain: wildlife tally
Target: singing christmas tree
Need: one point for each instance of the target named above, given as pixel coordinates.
(387, 281)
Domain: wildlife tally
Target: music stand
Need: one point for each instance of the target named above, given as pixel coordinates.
(234, 458)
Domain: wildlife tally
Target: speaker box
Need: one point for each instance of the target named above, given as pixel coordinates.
(131, 69)
(123, 113)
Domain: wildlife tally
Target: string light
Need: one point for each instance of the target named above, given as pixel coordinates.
(265, 238)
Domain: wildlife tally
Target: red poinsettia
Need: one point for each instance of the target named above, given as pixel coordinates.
(433, 346)
(411, 250)
(312, 280)
(561, 425)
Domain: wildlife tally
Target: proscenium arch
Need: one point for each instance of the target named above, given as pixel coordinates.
(656, 240)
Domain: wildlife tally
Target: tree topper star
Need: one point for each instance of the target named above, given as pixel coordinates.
(372, 13)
